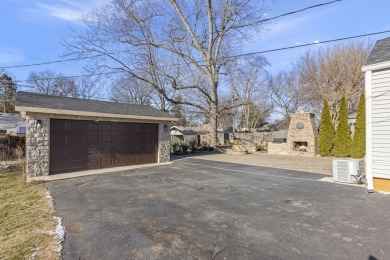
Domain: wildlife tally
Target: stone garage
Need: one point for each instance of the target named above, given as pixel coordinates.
(70, 134)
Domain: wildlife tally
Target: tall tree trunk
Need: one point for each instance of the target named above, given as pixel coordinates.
(214, 115)
(214, 124)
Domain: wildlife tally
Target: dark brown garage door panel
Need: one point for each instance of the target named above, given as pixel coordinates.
(81, 145)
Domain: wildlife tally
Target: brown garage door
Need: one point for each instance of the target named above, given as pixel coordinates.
(80, 145)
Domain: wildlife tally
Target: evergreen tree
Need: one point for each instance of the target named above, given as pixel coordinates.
(7, 94)
(358, 148)
(342, 140)
(326, 136)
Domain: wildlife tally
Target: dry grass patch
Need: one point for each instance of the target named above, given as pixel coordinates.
(26, 219)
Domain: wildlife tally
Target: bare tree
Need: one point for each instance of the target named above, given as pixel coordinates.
(165, 42)
(333, 72)
(286, 93)
(246, 79)
(131, 90)
(50, 83)
(88, 87)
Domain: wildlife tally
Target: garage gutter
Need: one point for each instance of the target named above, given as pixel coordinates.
(89, 113)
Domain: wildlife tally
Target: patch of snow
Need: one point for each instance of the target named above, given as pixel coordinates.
(7, 165)
(32, 257)
(49, 198)
(59, 231)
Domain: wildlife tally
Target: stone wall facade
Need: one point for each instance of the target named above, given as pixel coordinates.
(258, 137)
(37, 145)
(277, 148)
(164, 142)
(303, 128)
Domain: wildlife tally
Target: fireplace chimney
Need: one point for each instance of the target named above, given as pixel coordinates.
(302, 134)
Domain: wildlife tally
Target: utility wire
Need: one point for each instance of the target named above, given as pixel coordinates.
(232, 56)
(29, 56)
(298, 11)
(101, 55)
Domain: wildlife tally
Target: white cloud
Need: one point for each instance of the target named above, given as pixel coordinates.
(280, 28)
(278, 33)
(67, 10)
(61, 12)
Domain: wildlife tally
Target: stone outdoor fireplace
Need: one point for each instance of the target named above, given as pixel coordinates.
(300, 146)
(302, 135)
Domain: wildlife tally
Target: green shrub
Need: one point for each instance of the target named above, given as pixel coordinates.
(358, 147)
(342, 140)
(326, 136)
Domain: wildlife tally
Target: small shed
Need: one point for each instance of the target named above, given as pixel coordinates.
(377, 90)
(71, 134)
(185, 135)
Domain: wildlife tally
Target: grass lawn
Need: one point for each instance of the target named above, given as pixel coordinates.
(26, 220)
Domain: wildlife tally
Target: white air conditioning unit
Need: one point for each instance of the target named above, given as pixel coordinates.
(347, 170)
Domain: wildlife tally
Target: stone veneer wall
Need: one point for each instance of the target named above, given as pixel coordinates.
(164, 143)
(37, 146)
(277, 148)
(307, 134)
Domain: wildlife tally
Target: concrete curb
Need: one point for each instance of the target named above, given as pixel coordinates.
(63, 176)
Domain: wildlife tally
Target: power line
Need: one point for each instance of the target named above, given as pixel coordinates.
(232, 56)
(29, 65)
(310, 44)
(23, 55)
(101, 55)
(298, 11)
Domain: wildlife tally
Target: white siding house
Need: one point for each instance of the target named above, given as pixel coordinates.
(12, 124)
(377, 77)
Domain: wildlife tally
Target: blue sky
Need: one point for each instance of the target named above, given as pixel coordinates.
(32, 30)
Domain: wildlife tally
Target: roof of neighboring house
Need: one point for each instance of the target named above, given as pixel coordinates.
(380, 52)
(187, 130)
(8, 121)
(25, 100)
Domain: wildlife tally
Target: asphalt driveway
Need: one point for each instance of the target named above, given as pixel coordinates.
(199, 209)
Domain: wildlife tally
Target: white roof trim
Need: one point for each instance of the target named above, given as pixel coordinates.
(376, 66)
(177, 127)
(88, 113)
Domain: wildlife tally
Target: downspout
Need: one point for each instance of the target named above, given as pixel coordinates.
(368, 92)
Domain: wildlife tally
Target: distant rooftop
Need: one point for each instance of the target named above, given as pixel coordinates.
(380, 53)
(8, 120)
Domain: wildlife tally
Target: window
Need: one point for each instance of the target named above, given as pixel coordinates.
(22, 130)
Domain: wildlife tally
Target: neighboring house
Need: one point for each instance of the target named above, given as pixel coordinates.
(70, 134)
(377, 78)
(12, 124)
(352, 121)
(185, 135)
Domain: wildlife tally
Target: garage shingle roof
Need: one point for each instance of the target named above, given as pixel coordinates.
(35, 100)
(380, 52)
